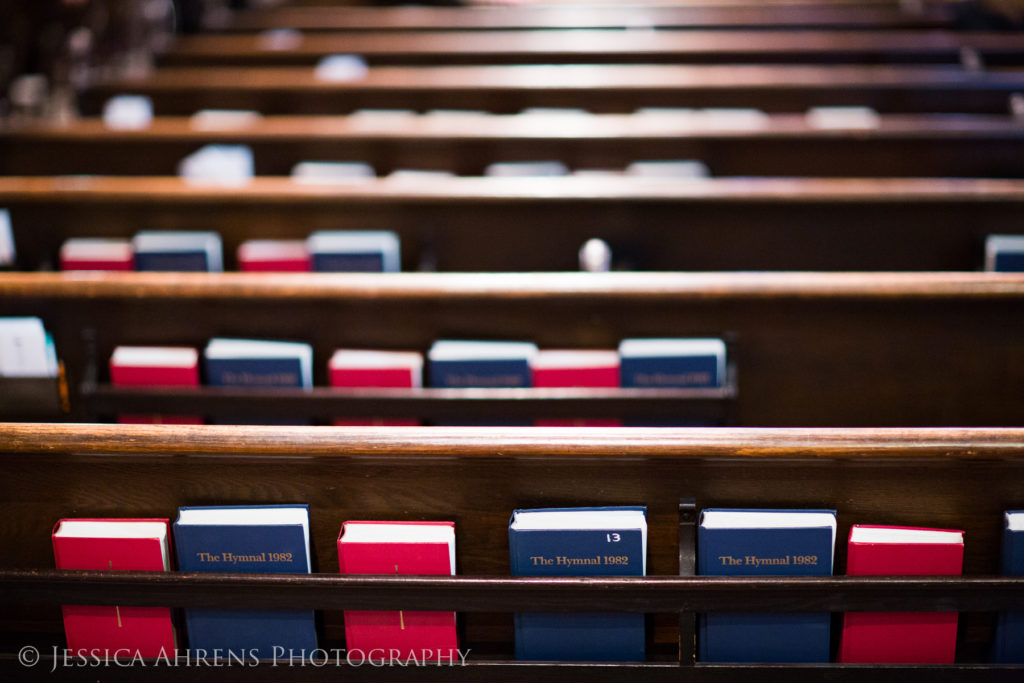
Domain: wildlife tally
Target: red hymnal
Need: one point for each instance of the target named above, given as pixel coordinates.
(402, 548)
(273, 256)
(155, 366)
(576, 368)
(125, 545)
(901, 637)
(379, 369)
(88, 253)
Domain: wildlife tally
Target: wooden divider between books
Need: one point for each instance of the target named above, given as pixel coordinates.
(954, 478)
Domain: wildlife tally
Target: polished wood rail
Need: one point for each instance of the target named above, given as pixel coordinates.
(446, 18)
(867, 349)
(599, 88)
(954, 478)
(934, 145)
(718, 224)
(599, 46)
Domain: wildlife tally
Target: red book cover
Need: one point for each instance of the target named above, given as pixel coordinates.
(118, 544)
(403, 548)
(273, 256)
(380, 369)
(901, 637)
(155, 366)
(576, 368)
(96, 254)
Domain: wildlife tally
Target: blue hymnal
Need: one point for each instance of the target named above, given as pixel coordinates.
(178, 251)
(1009, 640)
(600, 541)
(765, 543)
(672, 363)
(261, 539)
(354, 251)
(1004, 253)
(257, 363)
(459, 364)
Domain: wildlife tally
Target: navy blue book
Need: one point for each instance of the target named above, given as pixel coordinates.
(461, 364)
(1004, 253)
(597, 541)
(354, 251)
(260, 539)
(765, 543)
(1009, 640)
(258, 364)
(672, 363)
(178, 251)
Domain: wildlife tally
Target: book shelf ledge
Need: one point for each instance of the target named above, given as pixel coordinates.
(328, 402)
(651, 594)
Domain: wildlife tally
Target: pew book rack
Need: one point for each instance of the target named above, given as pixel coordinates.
(955, 478)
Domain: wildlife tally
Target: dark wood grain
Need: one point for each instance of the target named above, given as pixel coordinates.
(902, 145)
(598, 88)
(602, 46)
(811, 349)
(736, 224)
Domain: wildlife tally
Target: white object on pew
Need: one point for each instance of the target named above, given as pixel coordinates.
(595, 256)
(341, 68)
(331, 172)
(128, 112)
(683, 169)
(6, 239)
(25, 348)
(279, 39)
(526, 169)
(1017, 106)
(554, 112)
(228, 165)
(842, 118)
(416, 175)
(732, 118)
(224, 119)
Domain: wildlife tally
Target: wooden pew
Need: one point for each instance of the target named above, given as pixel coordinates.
(901, 145)
(809, 349)
(540, 223)
(598, 88)
(600, 46)
(932, 15)
(951, 478)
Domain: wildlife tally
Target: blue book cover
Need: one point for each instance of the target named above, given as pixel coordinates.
(672, 363)
(1004, 253)
(258, 364)
(1009, 262)
(262, 539)
(598, 541)
(1009, 639)
(354, 251)
(765, 543)
(178, 251)
(471, 364)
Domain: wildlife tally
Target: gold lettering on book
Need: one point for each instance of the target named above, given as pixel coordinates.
(754, 561)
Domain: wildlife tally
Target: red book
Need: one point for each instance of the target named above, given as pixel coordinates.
(901, 637)
(119, 544)
(380, 369)
(403, 548)
(89, 253)
(155, 366)
(576, 368)
(273, 256)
